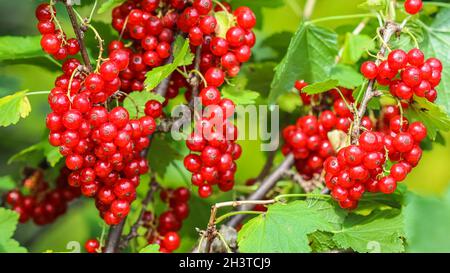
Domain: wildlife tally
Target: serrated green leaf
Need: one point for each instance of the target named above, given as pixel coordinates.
(427, 222)
(431, 115)
(161, 154)
(15, 47)
(7, 183)
(381, 231)
(435, 44)
(347, 76)
(14, 107)
(153, 248)
(182, 57)
(285, 227)
(41, 149)
(321, 241)
(108, 4)
(289, 102)
(320, 87)
(135, 102)
(8, 223)
(310, 57)
(355, 46)
(237, 93)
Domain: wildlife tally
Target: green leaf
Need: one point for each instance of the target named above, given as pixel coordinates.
(224, 22)
(41, 149)
(14, 107)
(15, 47)
(257, 7)
(182, 57)
(431, 115)
(355, 46)
(289, 102)
(135, 102)
(435, 44)
(161, 154)
(427, 222)
(310, 57)
(279, 42)
(153, 248)
(108, 4)
(320, 87)
(7, 183)
(237, 93)
(259, 76)
(8, 223)
(381, 231)
(321, 241)
(285, 227)
(347, 76)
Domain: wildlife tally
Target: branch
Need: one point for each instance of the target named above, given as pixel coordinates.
(194, 80)
(266, 185)
(267, 166)
(78, 33)
(309, 9)
(134, 228)
(389, 29)
(114, 237)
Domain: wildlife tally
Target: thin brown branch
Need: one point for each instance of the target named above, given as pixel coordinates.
(78, 33)
(387, 32)
(267, 166)
(139, 222)
(266, 185)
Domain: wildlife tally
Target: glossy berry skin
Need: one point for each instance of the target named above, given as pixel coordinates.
(413, 6)
(50, 43)
(369, 70)
(92, 246)
(397, 59)
(214, 77)
(171, 241)
(387, 185)
(418, 131)
(204, 191)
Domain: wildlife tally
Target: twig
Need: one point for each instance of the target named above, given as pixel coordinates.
(134, 228)
(309, 9)
(389, 29)
(266, 185)
(267, 166)
(194, 80)
(114, 237)
(78, 33)
(211, 231)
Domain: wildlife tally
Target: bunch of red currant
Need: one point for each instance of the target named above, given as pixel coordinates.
(163, 230)
(308, 139)
(42, 204)
(54, 41)
(362, 167)
(416, 75)
(214, 139)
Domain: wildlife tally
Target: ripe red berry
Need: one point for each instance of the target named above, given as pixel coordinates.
(413, 6)
(418, 131)
(50, 43)
(92, 246)
(369, 70)
(397, 59)
(204, 191)
(387, 185)
(171, 241)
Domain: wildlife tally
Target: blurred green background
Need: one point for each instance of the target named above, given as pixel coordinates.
(431, 177)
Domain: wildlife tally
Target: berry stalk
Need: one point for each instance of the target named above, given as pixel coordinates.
(388, 31)
(78, 33)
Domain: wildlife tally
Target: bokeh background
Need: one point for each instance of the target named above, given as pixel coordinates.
(430, 178)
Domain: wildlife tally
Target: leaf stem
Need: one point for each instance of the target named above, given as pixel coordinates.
(233, 213)
(342, 17)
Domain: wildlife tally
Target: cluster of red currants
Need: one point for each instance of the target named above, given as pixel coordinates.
(415, 74)
(362, 167)
(54, 41)
(214, 139)
(163, 230)
(42, 204)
